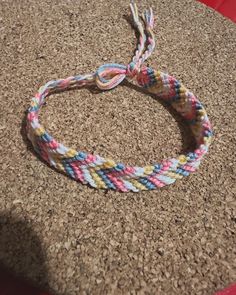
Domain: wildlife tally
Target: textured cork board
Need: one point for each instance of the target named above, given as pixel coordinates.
(72, 239)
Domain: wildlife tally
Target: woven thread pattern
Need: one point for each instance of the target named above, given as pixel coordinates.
(105, 173)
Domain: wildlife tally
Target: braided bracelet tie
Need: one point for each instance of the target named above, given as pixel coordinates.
(104, 173)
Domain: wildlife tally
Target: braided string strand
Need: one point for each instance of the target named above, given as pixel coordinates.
(105, 173)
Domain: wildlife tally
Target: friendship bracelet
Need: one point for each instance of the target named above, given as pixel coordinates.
(105, 173)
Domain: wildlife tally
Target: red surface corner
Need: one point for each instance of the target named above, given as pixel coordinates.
(225, 7)
(231, 290)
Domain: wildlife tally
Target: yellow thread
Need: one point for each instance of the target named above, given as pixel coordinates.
(182, 94)
(148, 170)
(60, 167)
(157, 73)
(39, 131)
(182, 159)
(207, 140)
(182, 89)
(174, 175)
(201, 113)
(109, 164)
(71, 153)
(99, 182)
(138, 185)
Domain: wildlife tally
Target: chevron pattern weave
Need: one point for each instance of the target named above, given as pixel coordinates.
(105, 173)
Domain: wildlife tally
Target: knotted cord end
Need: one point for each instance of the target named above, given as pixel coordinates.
(109, 76)
(132, 70)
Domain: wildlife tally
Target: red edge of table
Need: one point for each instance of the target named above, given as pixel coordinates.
(225, 7)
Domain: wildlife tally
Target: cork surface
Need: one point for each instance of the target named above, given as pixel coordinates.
(72, 239)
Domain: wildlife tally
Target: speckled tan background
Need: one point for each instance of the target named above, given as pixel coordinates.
(75, 240)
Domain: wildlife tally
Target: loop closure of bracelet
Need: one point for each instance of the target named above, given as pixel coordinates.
(109, 76)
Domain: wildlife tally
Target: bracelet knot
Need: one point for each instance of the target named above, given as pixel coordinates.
(109, 76)
(132, 70)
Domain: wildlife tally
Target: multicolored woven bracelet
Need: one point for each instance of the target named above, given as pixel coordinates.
(105, 173)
